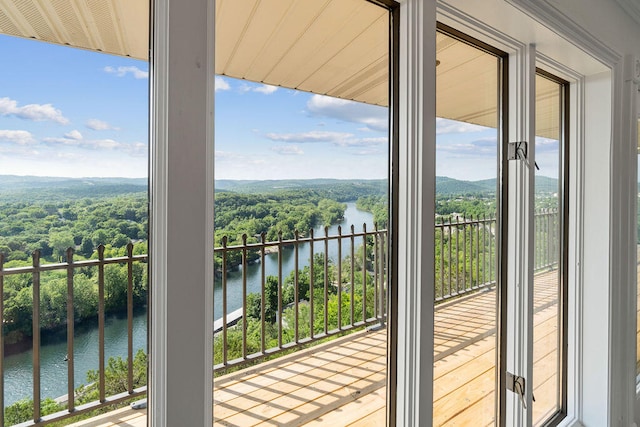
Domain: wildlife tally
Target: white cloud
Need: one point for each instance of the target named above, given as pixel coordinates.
(481, 147)
(363, 142)
(263, 88)
(35, 112)
(342, 139)
(288, 150)
(96, 124)
(221, 84)
(75, 139)
(372, 116)
(546, 144)
(311, 136)
(266, 89)
(369, 152)
(20, 137)
(74, 134)
(123, 71)
(444, 126)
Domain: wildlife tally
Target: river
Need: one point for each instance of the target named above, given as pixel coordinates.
(18, 368)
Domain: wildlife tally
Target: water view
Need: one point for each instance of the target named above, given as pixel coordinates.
(18, 367)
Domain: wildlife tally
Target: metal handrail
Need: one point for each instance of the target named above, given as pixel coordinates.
(466, 251)
(365, 279)
(70, 266)
(465, 262)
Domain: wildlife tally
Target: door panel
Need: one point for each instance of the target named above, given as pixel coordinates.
(549, 256)
(469, 83)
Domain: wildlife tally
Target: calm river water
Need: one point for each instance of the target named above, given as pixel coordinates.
(18, 368)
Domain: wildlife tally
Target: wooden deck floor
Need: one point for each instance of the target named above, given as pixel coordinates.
(342, 383)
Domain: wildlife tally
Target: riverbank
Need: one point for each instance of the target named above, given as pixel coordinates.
(59, 334)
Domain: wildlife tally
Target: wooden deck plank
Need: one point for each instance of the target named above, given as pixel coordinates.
(342, 382)
(368, 359)
(125, 417)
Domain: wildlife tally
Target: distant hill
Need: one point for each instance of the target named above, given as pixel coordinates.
(451, 186)
(25, 188)
(30, 188)
(446, 185)
(261, 186)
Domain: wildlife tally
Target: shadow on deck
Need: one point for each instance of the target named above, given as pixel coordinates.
(343, 382)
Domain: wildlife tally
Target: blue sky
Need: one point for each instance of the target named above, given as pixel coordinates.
(76, 113)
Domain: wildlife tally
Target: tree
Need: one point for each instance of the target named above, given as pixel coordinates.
(60, 241)
(86, 247)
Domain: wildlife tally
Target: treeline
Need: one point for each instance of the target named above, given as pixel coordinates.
(240, 216)
(378, 206)
(336, 189)
(476, 207)
(54, 226)
(273, 213)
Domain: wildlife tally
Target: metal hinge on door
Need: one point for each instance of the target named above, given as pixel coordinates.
(518, 385)
(519, 151)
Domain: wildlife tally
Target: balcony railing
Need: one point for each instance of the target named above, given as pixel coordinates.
(466, 252)
(341, 286)
(322, 286)
(70, 266)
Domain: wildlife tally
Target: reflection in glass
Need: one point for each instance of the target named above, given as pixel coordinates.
(548, 251)
(467, 107)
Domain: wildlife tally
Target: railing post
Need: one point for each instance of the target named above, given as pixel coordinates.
(130, 317)
(101, 382)
(70, 333)
(450, 247)
(551, 237)
(326, 279)
(353, 276)
(263, 344)
(464, 253)
(376, 278)
(225, 349)
(477, 257)
(296, 287)
(311, 285)
(279, 289)
(364, 272)
(35, 324)
(339, 277)
(244, 296)
(383, 279)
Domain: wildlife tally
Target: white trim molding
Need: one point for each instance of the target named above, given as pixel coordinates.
(544, 12)
(632, 7)
(416, 209)
(181, 240)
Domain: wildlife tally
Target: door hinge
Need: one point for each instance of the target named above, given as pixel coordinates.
(518, 385)
(517, 150)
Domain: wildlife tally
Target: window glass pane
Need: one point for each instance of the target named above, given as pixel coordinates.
(73, 185)
(301, 211)
(548, 251)
(467, 107)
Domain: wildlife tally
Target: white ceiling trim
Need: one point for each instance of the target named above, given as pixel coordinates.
(632, 7)
(544, 12)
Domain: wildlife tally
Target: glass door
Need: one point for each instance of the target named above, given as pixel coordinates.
(550, 258)
(501, 206)
(470, 78)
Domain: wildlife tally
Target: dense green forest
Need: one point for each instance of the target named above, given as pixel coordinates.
(53, 214)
